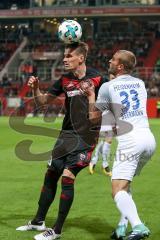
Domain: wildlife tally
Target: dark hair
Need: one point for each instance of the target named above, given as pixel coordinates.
(80, 47)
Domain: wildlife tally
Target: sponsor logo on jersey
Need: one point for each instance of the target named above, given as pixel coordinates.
(73, 93)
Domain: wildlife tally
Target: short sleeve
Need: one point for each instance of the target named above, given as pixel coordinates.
(56, 88)
(103, 100)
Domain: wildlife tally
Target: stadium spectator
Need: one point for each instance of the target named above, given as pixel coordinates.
(158, 65)
(5, 81)
(153, 89)
(76, 141)
(126, 97)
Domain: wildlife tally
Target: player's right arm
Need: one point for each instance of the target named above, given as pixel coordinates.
(39, 97)
(44, 98)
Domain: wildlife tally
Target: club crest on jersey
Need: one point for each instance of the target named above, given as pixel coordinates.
(82, 156)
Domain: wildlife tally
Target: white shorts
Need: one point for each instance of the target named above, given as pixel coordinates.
(131, 156)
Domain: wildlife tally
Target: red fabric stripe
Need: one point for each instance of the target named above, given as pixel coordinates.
(67, 180)
(96, 81)
(69, 83)
(89, 154)
(63, 196)
(82, 164)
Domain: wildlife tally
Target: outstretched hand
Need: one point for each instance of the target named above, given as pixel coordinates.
(87, 87)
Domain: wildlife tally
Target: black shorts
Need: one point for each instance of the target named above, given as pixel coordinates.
(70, 152)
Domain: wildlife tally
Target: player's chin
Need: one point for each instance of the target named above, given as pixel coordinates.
(67, 68)
(111, 71)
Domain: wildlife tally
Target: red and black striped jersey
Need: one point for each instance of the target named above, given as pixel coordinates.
(76, 104)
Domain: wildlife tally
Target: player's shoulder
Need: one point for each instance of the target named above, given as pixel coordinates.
(137, 82)
(104, 89)
(92, 72)
(96, 77)
(136, 79)
(131, 78)
(107, 84)
(128, 79)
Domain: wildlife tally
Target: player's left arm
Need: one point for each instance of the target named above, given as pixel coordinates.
(103, 101)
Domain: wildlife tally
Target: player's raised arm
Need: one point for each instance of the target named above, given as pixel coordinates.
(40, 98)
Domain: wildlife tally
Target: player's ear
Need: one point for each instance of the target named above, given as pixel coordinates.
(81, 58)
(121, 66)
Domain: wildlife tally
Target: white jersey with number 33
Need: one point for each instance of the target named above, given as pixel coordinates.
(126, 98)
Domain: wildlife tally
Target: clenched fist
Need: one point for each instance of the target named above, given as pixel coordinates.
(33, 82)
(87, 87)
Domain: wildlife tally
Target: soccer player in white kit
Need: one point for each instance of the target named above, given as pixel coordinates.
(126, 97)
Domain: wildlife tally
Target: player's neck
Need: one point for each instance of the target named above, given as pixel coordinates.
(123, 72)
(80, 72)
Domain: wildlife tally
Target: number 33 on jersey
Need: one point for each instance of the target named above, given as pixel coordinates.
(127, 97)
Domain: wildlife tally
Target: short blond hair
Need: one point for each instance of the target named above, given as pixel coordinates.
(128, 59)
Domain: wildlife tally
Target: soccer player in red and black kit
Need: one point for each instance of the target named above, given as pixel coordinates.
(77, 139)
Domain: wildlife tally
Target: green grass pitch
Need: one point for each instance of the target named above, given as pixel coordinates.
(93, 214)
